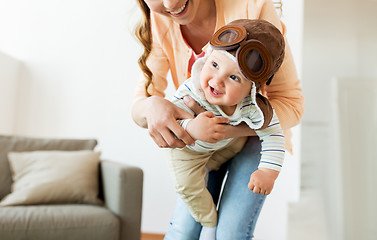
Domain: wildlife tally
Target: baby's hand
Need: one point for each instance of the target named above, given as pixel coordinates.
(262, 181)
(206, 127)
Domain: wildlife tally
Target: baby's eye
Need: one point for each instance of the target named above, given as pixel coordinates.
(235, 78)
(215, 65)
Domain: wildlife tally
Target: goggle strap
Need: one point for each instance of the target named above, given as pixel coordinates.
(269, 80)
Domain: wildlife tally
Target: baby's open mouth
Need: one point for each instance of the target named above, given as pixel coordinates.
(214, 92)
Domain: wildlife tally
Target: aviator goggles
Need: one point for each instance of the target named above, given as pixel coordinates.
(253, 59)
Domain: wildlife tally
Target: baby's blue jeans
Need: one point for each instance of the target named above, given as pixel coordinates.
(239, 207)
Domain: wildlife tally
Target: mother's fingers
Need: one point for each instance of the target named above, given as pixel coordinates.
(158, 139)
(181, 134)
(171, 139)
(191, 103)
(164, 138)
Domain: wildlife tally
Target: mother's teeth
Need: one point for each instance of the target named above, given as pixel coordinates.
(179, 10)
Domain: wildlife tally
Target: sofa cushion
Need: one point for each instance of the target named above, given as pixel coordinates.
(53, 177)
(21, 144)
(58, 222)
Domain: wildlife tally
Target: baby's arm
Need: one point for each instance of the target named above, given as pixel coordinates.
(230, 131)
(272, 157)
(240, 130)
(205, 127)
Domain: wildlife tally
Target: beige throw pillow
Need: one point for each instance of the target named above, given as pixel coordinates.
(52, 177)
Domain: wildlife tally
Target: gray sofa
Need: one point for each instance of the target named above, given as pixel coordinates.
(120, 189)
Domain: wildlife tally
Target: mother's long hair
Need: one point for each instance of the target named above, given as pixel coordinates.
(144, 34)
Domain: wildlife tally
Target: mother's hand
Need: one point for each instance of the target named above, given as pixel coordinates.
(191, 103)
(162, 118)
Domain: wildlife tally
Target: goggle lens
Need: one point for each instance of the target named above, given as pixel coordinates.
(254, 61)
(228, 36)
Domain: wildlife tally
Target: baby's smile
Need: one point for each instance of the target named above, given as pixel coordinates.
(214, 92)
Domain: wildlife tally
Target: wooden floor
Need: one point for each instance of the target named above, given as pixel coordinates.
(151, 236)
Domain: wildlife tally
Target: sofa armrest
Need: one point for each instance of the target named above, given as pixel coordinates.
(123, 195)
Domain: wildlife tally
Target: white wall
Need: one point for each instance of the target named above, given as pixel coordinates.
(9, 76)
(78, 75)
(339, 42)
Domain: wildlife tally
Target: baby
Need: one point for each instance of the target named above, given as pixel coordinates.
(243, 57)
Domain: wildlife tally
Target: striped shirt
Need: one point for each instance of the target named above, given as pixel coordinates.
(272, 137)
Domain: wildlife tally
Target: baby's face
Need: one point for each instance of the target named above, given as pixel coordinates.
(222, 82)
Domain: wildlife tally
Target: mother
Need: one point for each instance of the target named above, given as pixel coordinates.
(174, 34)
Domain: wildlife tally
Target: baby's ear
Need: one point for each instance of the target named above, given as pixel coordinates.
(266, 108)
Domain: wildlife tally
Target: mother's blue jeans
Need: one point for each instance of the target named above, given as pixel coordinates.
(239, 207)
